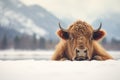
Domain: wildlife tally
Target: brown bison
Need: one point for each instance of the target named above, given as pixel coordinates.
(80, 42)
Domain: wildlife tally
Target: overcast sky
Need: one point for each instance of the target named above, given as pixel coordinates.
(87, 10)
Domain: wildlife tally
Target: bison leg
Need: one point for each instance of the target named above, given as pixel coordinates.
(97, 57)
(100, 53)
(59, 52)
(101, 58)
(63, 59)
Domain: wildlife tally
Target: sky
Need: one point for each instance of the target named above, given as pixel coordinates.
(87, 10)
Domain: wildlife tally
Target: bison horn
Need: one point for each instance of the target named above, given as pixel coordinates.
(98, 28)
(61, 27)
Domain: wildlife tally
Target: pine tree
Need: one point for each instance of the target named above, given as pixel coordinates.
(17, 42)
(42, 43)
(4, 42)
(34, 43)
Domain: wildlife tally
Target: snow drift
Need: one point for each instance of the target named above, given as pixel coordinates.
(54, 70)
(45, 69)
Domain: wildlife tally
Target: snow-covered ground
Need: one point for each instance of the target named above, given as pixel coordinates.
(36, 55)
(25, 55)
(37, 66)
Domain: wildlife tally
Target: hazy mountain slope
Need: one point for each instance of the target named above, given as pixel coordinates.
(28, 19)
(111, 24)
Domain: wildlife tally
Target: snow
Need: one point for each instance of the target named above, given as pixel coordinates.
(20, 55)
(37, 54)
(45, 69)
(29, 26)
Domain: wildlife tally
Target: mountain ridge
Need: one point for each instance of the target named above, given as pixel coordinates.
(28, 19)
(111, 24)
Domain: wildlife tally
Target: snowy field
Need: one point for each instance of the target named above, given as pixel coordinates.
(36, 65)
(25, 55)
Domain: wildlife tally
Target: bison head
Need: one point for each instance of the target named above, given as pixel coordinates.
(79, 39)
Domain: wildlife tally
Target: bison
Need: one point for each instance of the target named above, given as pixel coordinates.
(80, 42)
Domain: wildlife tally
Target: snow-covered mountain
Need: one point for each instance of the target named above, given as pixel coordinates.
(111, 24)
(17, 18)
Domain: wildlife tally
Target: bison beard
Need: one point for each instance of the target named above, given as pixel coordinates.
(80, 42)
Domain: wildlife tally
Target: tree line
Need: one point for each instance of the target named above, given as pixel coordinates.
(113, 44)
(26, 42)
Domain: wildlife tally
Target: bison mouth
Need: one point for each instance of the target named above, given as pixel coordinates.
(80, 58)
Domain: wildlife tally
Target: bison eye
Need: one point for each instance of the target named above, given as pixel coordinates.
(91, 38)
(71, 38)
(85, 51)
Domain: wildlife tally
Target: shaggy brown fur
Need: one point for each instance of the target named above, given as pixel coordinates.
(80, 35)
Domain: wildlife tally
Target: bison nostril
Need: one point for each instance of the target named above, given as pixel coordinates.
(77, 51)
(85, 51)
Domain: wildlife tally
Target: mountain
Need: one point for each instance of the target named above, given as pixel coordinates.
(111, 24)
(18, 19)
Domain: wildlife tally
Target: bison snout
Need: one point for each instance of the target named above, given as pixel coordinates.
(81, 54)
(81, 51)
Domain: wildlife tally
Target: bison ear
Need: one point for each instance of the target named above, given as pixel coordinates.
(63, 34)
(99, 35)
